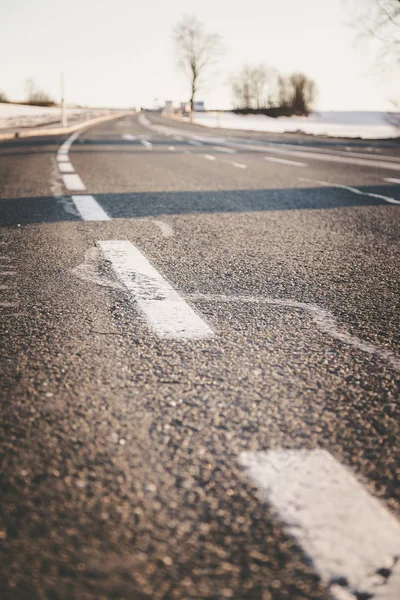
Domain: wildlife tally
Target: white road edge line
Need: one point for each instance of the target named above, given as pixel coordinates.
(352, 189)
(164, 309)
(284, 161)
(89, 208)
(209, 156)
(73, 183)
(391, 180)
(348, 534)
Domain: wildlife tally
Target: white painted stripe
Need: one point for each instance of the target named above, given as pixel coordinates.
(164, 309)
(353, 190)
(239, 165)
(348, 534)
(283, 161)
(66, 167)
(348, 160)
(89, 208)
(73, 183)
(391, 180)
(195, 143)
(62, 151)
(62, 157)
(223, 149)
(171, 148)
(146, 143)
(209, 157)
(128, 136)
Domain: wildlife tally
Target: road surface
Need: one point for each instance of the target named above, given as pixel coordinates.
(200, 365)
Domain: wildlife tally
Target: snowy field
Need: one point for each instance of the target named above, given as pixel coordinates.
(22, 115)
(352, 124)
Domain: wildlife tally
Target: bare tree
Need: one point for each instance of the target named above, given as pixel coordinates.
(197, 51)
(253, 87)
(380, 19)
(37, 96)
(303, 93)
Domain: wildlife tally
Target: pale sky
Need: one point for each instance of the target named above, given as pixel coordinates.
(120, 52)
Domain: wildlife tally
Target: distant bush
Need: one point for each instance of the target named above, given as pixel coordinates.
(36, 96)
(263, 91)
(3, 97)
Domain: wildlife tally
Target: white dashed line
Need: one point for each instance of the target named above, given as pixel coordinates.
(163, 308)
(73, 183)
(89, 208)
(223, 149)
(128, 137)
(283, 161)
(209, 157)
(146, 143)
(353, 190)
(239, 165)
(391, 180)
(352, 540)
(171, 148)
(65, 167)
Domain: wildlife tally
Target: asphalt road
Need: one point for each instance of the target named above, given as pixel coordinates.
(159, 396)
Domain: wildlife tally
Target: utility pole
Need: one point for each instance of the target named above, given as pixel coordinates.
(63, 112)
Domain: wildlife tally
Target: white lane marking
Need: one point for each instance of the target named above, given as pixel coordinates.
(73, 183)
(284, 161)
(239, 165)
(324, 320)
(348, 534)
(89, 208)
(146, 143)
(195, 143)
(391, 180)
(209, 156)
(171, 148)
(223, 149)
(62, 158)
(163, 308)
(166, 229)
(66, 167)
(348, 160)
(128, 136)
(352, 189)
